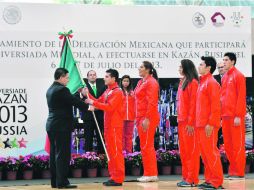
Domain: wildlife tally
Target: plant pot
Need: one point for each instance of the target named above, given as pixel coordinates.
(45, 174)
(178, 170)
(11, 175)
(92, 172)
(166, 170)
(104, 172)
(247, 168)
(76, 173)
(135, 171)
(28, 174)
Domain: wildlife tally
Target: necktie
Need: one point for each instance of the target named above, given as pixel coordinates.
(94, 90)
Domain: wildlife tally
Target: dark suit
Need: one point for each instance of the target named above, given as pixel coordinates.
(59, 128)
(89, 122)
(218, 78)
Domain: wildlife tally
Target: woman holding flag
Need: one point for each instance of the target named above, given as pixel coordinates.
(186, 110)
(147, 118)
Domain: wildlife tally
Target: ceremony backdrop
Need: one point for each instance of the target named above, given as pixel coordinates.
(119, 37)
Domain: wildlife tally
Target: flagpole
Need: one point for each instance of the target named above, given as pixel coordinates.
(95, 119)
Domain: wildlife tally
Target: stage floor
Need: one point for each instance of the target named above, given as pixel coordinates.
(165, 183)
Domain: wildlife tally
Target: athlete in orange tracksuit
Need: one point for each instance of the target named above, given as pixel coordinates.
(129, 113)
(208, 122)
(111, 101)
(233, 100)
(186, 110)
(147, 118)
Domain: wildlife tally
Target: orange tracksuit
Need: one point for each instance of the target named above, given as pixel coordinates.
(129, 116)
(189, 150)
(208, 113)
(111, 101)
(146, 103)
(233, 100)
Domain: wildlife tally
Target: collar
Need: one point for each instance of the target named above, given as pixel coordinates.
(94, 84)
(57, 83)
(146, 78)
(115, 85)
(204, 77)
(230, 71)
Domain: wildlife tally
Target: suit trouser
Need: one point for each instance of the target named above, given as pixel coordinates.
(60, 156)
(90, 127)
(116, 167)
(128, 127)
(189, 153)
(234, 142)
(147, 147)
(211, 156)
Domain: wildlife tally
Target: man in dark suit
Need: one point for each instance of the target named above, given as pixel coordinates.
(59, 127)
(96, 89)
(221, 72)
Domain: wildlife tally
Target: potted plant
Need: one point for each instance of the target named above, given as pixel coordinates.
(93, 161)
(12, 166)
(42, 164)
(104, 165)
(165, 159)
(26, 166)
(134, 161)
(176, 162)
(77, 164)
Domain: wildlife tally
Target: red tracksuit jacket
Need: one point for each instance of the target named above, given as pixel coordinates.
(111, 101)
(186, 107)
(233, 94)
(147, 95)
(208, 108)
(128, 106)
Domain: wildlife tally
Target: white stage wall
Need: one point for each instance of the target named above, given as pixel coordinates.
(118, 37)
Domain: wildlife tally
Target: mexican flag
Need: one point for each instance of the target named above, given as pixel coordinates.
(68, 62)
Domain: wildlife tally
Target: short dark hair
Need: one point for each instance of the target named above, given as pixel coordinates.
(210, 61)
(60, 72)
(113, 73)
(231, 56)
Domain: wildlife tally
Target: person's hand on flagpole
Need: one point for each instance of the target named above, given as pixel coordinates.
(85, 91)
(91, 108)
(89, 101)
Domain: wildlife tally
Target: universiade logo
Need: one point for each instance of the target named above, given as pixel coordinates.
(198, 20)
(12, 15)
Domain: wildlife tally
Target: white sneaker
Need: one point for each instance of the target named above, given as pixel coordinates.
(145, 179)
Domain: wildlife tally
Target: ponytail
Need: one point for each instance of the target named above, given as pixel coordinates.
(152, 71)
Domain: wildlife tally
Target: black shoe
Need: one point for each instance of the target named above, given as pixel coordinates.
(203, 185)
(111, 183)
(68, 187)
(53, 186)
(210, 187)
(184, 184)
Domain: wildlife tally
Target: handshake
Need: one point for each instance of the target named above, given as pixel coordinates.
(84, 92)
